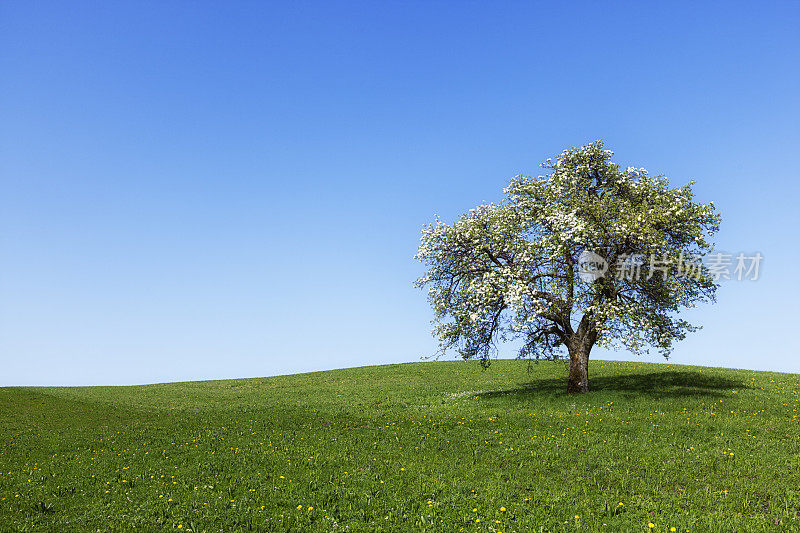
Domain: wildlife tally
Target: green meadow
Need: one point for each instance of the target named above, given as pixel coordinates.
(440, 446)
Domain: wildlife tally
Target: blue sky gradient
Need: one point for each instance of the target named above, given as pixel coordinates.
(214, 190)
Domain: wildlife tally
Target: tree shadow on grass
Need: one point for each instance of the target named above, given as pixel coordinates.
(671, 384)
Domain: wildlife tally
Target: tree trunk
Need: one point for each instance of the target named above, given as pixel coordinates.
(578, 368)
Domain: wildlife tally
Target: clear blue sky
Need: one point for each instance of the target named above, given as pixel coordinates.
(201, 190)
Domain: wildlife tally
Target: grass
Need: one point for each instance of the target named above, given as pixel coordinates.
(439, 446)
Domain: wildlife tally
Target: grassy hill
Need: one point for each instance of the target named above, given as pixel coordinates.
(439, 446)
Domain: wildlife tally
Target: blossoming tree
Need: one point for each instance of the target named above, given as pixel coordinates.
(519, 269)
